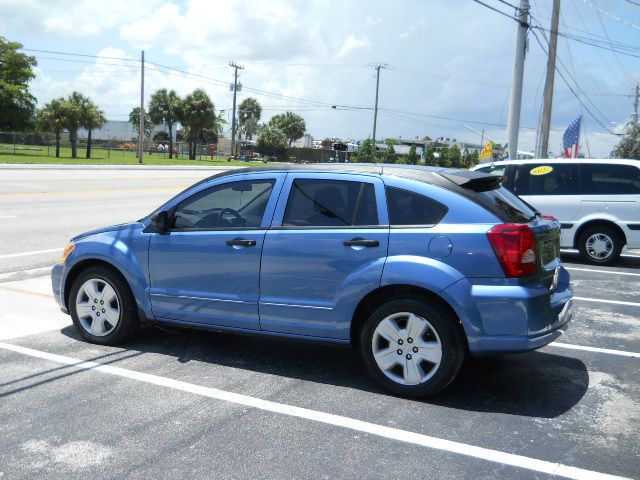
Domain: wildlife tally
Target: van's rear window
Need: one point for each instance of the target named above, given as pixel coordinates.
(515, 209)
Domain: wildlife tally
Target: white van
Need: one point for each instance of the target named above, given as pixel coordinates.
(596, 201)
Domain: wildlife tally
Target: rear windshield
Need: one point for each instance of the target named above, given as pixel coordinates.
(515, 209)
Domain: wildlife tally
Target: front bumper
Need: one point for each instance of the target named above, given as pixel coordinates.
(57, 286)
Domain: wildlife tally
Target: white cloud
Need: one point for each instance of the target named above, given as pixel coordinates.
(351, 43)
(448, 59)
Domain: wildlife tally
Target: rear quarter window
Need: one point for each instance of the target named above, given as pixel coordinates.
(410, 208)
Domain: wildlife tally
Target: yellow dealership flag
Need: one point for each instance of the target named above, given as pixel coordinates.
(487, 151)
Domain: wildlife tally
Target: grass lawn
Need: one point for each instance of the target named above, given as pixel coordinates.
(42, 155)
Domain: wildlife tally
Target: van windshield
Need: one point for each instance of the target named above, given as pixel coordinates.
(514, 208)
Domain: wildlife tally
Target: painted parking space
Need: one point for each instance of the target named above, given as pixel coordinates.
(564, 407)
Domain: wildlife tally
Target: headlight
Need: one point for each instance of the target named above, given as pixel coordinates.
(68, 249)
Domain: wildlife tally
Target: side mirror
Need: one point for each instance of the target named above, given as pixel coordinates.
(161, 221)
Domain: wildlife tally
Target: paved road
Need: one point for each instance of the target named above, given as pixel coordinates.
(184, 404)
(41, 209)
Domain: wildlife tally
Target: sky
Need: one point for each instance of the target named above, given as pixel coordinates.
(447, 62)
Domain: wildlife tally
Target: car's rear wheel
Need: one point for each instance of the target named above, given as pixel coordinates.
(600, 245)
(102, 306)
(412, 348)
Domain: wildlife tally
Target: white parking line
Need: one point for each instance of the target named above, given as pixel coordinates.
(613, 272)
(601, 300)
(35, 252)
(490, 455)
(610, 351)
(8, 216)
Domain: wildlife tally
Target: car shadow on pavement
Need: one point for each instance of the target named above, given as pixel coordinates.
(536, 384)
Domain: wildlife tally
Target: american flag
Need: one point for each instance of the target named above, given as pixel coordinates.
(571, 138)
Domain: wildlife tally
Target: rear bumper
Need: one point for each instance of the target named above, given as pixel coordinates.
(524, 343)
(502, 316)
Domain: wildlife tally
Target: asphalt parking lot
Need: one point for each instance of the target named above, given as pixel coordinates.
(186, 404)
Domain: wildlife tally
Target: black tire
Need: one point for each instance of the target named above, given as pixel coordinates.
(128, 321)
(604, 230)
(448, 330)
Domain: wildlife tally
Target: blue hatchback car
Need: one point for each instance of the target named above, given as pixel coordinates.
(415, 267)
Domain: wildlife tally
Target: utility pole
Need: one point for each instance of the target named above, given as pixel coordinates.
(375, 109)
(545, 123)
(141, 136)
(233, 121)
(515, 101)
(634, 116)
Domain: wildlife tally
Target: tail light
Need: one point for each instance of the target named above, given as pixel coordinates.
(549, 217)
(515, 247)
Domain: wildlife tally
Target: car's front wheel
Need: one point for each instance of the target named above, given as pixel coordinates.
(412, 348)
(600, 245)
(102, 306)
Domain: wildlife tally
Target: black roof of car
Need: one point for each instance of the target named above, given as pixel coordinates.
(464, 178)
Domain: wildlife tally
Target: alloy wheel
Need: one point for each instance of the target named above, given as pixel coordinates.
(98, 307)
(406, 348)
(599, 246)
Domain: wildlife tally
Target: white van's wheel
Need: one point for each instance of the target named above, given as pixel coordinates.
(600, 245)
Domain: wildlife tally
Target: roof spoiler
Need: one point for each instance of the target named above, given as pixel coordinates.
(475, 181)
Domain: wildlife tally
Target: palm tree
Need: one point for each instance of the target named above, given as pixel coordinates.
(75, 106)
(196, 114)
(93, 118)
(52, 118)
(164, 108)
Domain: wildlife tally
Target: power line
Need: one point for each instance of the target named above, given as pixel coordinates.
(496, 10)
(610, 15)
(533, 31)
(79, 55)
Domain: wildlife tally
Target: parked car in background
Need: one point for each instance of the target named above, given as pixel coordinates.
(596, 201)
(414, 267)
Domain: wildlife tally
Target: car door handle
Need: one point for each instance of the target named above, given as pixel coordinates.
(361, 242)
(241, 242)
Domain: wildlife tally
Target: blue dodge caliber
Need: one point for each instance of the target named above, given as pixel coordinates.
(415, 267)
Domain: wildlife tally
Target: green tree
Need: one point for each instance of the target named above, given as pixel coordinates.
(455, 156)
(429, 156)
(197, 113)
(92, 118)
(164, 107)
(75, 107)
(466, 159)
(629, 146)
(413, 157)
(291, 124)
(443, 157)
(389, 155)
(249, 113)
(51, 119)
(364, 154)
(134, 120)
(17, 104)
(475, 158)
(272, 141)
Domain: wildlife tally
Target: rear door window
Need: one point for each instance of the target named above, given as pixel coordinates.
(547, 179)
(607, 179)
(409, 208)
(330, 203)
